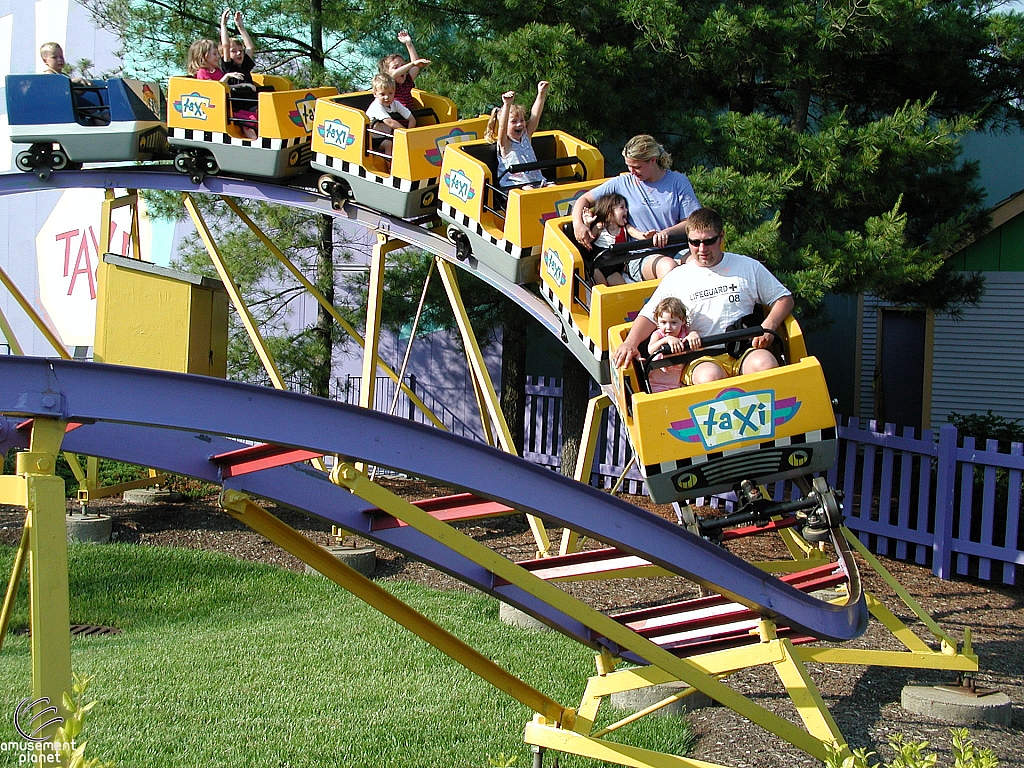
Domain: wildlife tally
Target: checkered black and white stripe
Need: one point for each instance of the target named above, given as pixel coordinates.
(566, 315)
(353, 169)
(211, 137)
(513, 250)
(815, 436)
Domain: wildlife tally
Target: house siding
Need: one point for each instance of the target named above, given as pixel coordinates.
(978, 361)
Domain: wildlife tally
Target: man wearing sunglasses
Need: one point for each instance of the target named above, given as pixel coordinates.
(718, 289)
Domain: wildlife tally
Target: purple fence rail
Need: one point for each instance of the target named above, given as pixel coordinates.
(943, 502)
(947, 502)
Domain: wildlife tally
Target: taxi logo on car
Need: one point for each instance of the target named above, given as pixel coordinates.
(336, 134)
(553, 265)
(193, 106)
(735, 416)
(302, 115)
(459, 185)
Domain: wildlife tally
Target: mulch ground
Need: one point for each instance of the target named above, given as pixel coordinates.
(863, 700)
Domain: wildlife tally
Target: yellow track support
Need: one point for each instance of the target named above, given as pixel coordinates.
(816, 739)
(240, 507)
(36, 488)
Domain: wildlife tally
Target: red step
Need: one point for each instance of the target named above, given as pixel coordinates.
(254, 458)
(461, 506)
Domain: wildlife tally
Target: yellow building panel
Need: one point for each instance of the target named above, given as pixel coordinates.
(153, 317)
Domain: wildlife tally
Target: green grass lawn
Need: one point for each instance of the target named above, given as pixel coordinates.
(227, 663)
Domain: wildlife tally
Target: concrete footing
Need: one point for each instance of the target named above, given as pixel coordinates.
(90, 529)
(641, 698)
(152, 496)
(516, 618)
(360, 559)
(955, 707)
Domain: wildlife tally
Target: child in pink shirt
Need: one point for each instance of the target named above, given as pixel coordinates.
(670, 315)
(204, 64)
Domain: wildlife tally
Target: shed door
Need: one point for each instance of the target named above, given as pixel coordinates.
(899, 375)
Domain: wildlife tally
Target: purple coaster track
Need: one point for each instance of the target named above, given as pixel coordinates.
(177, 422)
(166, 178)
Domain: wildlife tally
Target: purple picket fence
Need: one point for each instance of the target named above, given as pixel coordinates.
(947, 503)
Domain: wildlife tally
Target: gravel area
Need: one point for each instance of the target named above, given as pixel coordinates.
(863, 700)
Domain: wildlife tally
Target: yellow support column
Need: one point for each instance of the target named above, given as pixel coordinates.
(374, 297)
(109, 205)
(236, 295)
(48, 564)
(486, 389)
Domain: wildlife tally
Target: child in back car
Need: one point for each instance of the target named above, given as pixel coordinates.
(511, 130)
(404, 72)
(385, 113)
(204, 64)
(609, 222)
(671, 318)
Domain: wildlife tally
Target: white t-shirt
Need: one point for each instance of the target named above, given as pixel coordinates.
(716, 297)
(397, 111)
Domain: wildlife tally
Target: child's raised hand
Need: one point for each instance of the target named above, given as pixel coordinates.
(404, 37)
(224, 15)
(238, 19)
(542, 88)
(508, 97)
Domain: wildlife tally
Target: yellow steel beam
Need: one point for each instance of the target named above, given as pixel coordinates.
(48, 564)
(20, 558)
(805, 696)
(8, 332)
(37, 321)
(236, 296)
(331, 309)
(261, 521)
(374, 298)
(110, 203)
(908, 600)
(961, 662)
(474, 356)
(571, 541)
(549, 737)
(482, 377)
(687, 670)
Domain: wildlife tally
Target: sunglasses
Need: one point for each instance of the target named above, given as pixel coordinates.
(706, 241)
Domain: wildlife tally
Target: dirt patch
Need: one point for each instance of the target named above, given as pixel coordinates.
(863, 700)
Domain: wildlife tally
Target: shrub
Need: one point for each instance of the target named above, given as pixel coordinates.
(911, 754)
